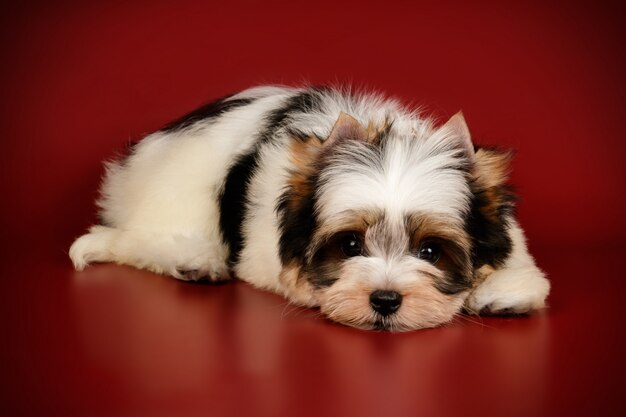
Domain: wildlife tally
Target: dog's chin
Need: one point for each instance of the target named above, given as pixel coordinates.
(385, 324)
(391, 324)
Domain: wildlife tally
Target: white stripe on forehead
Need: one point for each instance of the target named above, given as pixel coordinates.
(407, 175)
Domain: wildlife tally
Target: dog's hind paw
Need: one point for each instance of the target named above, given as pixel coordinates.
(201, 274)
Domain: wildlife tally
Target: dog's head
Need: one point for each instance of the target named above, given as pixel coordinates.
(384, 225)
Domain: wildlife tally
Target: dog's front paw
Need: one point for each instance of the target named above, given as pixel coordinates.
(510, 291)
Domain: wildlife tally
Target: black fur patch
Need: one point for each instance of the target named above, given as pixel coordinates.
(458, 275)
(234, 195)
(207, 112)
(491, 242)
(233, 201)
(296, 224)
(306, 101)
(454, 283)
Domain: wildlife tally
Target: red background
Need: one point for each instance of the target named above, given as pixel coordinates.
(78, 81)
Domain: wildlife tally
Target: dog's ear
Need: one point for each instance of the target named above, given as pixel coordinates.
(346, 128)
(492, 167)
(493, 204)
(297, 203)
(456, 130)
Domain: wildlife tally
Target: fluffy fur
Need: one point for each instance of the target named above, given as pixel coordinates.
(345, 201)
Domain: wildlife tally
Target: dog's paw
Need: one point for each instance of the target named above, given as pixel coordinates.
(510, 291)
(202, 274)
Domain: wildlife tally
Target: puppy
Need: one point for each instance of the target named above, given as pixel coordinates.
(345, 201)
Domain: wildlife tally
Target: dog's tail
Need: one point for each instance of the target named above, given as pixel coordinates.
(95, 246)
(156, 253)
(182, 257)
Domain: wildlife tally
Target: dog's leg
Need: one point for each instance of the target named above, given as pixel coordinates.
(516, 287)
(183, 257)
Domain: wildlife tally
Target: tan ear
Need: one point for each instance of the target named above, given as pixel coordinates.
(492, 205)
(460, 133)
(492, 167)
(346, 128)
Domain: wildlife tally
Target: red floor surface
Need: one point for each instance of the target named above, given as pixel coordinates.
(113, 341)
(79, 81)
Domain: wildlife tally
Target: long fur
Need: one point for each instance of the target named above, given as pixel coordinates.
(266, 184)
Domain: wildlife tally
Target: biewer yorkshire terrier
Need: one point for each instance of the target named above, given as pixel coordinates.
(345, 201)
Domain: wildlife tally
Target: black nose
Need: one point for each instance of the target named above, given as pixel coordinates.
(385, 302)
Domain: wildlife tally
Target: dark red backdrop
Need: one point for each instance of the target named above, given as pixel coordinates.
(78, 81)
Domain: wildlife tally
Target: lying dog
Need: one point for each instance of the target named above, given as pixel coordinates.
(333, 199)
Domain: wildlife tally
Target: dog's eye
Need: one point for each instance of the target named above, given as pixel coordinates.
(351, 245)
(430, 252)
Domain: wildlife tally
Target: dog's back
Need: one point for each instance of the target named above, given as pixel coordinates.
(178, 204)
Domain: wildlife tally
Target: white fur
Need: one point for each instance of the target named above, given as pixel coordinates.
(166, 194)
(389, 183)
(518, 287)
(160, 253)
(161, 210)
(259, 262)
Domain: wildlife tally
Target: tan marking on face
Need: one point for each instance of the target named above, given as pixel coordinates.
(350, 220)
(424, 306)
(357, 221)
(347, 302)
(297, 289)
(422, 227)
(389, 240)
(453, 240)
